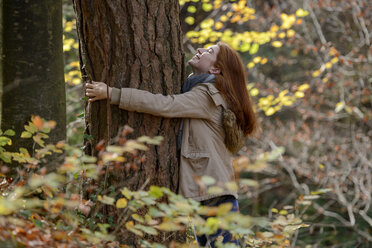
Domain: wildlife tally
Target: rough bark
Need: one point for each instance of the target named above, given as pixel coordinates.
(32, 64)
(136, 44)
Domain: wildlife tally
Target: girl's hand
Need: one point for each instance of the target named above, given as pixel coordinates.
(96, 91)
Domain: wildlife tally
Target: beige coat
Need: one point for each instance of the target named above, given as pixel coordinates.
(203, 152)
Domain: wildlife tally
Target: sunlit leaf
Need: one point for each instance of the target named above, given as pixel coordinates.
(302, 13)
(254, 92)
(190, 20)
(254, 48)
(299, 94)
(270, 111)
(156, 192)
(207, 7)
(191, 9)
(276, 43)
(339, 106)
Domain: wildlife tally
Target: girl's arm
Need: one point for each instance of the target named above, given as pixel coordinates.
(196, 103)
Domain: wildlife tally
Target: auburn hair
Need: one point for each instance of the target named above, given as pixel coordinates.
(232, 85)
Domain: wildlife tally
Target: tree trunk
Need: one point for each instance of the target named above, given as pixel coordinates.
(32, 66)
(136, 44)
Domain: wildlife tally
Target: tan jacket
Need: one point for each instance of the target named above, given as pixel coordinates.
(203, 152)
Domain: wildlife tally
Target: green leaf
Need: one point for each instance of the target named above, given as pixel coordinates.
(191, 9)
(85, 98)
(147, 229)
(24, 151)
(207, 7)
(106, 200)
(38, 140)
(26, 135)
(81, 115)
(6, 157)
(156, 192)
(245, 47)
(5, 141)
(138, 218)
(30, 128)
(9, 132)
(254, 48)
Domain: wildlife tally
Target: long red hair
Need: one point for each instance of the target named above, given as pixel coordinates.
(232, 85)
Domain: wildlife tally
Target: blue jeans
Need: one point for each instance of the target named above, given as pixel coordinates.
(227, 236)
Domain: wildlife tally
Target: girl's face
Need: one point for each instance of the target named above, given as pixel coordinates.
(204, 59)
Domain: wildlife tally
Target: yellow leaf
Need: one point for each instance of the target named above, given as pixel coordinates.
(208, 23)
(325, 80)
(129, 224)
(254, 92)
(76, 81)
(189, 20)
(299, 94)
(223, 18)
(75, 64)
(283, 212)
(121, 203)
(263, 61)
(191, 9)
(283, 93)
(302, 13)
(281, 35)
(276, 43)
(250, 65)
(274, 210)
(290, 32)
(207, 7)
(254, 48)
(257, 60)
(270, 111)
(274, 28)
(339, 106)
(218, 25)
(303, 87)
(245, 47)
(328, 65)
(334, 60)
(316, 73)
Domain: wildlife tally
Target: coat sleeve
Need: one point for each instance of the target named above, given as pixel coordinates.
(196, 103)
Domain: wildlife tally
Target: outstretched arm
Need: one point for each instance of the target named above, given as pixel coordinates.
(196, 103)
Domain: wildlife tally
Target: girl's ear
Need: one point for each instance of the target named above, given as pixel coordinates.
(214, 71)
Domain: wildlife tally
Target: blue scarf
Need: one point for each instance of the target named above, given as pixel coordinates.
(191, 82)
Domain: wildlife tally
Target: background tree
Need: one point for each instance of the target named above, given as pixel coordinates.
(135, 44)
(32, 66)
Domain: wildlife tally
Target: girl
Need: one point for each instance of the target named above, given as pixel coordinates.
(216, 113)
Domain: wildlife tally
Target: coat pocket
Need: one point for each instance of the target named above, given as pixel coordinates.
(198, 161)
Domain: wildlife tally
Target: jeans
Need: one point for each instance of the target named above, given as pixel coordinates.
(227, 236)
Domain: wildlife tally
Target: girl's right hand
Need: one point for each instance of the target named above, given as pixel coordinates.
(96, 91)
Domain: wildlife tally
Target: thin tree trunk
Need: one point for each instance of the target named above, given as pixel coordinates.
(32, 64)
(136, 44)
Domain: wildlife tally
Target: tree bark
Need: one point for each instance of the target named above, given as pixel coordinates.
(136, 44)
(32, 67)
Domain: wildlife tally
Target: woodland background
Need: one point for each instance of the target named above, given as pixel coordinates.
(304, 179)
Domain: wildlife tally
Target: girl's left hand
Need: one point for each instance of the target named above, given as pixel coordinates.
(96, 91)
